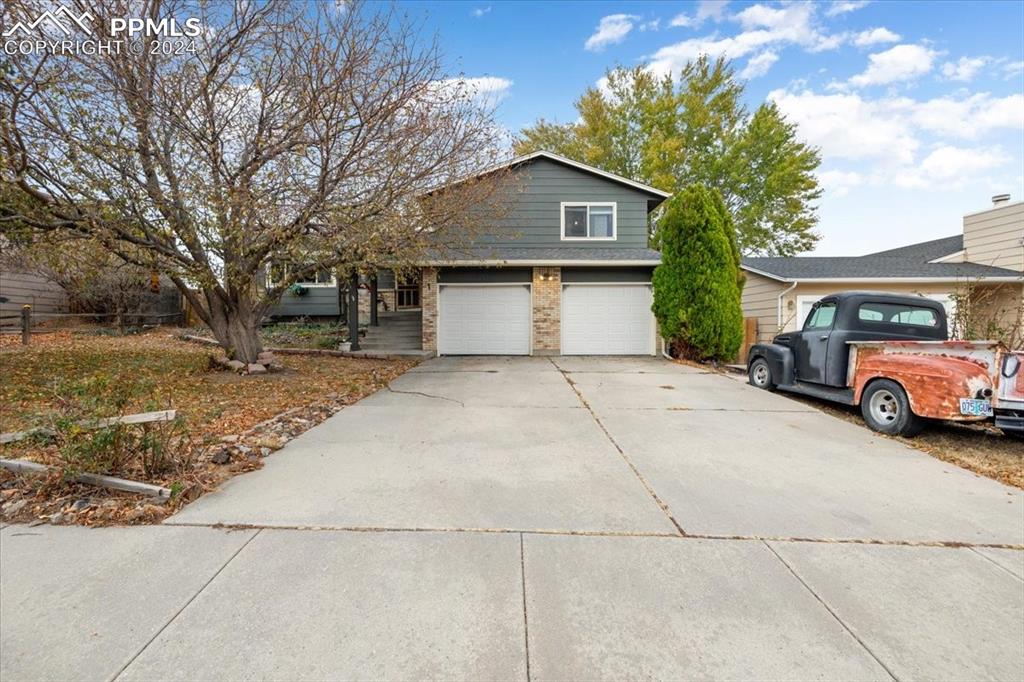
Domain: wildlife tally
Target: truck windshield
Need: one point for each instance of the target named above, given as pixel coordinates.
(895, 313)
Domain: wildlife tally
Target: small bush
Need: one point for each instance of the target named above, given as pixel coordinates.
(83, 444)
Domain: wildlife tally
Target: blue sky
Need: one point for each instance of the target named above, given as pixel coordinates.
(917, 107)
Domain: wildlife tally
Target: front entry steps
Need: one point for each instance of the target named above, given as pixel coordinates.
(400, 330)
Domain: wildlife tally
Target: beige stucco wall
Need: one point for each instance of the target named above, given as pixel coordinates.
(996, 236)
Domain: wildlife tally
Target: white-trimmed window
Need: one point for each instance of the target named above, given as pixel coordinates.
(584, 220)
(321, 278)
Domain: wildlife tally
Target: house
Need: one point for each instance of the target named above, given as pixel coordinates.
(566, 270)
(985, 263)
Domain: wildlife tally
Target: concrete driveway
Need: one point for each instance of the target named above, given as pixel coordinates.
(532, 518)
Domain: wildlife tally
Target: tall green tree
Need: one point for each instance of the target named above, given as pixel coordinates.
(697, 285)
(692, 127)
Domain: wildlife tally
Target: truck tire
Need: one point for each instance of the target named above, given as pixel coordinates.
(1010, 433)
(886, 409)
(759, 374)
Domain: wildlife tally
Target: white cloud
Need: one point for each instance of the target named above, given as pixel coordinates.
(846, 126)
(1013, 69)
(850, 126)
(965, 68)
(681, 20)
(480, 11)
(969, 117)
(948, 167)
(706, 9)
(763, 27)
(900, 63)
(874, 36)
(899, 141)
(612, 29)
(711, 9)
(843, 6)
(839, 183)
(652, 25)
(758, 65)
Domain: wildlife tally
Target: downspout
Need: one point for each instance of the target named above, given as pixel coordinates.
(778, 323)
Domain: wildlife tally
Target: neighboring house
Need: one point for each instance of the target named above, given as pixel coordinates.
(565, 271)
(987, 258)
(19, 288)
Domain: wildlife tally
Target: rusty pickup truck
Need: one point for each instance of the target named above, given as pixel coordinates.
(890, 355)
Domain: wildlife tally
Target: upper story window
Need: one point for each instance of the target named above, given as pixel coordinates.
(582, 220)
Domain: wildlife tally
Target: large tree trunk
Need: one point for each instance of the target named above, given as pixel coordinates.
(236, 326)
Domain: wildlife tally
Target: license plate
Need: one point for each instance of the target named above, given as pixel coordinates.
(975, 407)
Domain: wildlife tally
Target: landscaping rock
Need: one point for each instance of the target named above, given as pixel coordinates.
(244, 449)
(264, 451)
(236, 365)
(229, 439)
(266, 357)
(57, 518)
(221, 457)
(81, 505)
(14, 507)
(256, 368)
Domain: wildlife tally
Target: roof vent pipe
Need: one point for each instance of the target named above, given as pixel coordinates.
(1000, 199)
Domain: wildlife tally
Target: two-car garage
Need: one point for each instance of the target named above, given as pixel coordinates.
(491, 312)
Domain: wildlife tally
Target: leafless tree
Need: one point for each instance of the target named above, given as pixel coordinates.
(308, 132)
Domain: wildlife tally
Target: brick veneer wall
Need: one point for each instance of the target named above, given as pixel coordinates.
(428, 302)
(547, 311)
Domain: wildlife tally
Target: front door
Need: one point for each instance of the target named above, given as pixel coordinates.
(812, 343)
(407, 293)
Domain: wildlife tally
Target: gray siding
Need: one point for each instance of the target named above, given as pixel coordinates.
(534, 218)
(317, 301)
(21, 288)
(484, 275)
(610, 275)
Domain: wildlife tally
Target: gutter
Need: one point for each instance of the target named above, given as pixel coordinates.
(778, 323)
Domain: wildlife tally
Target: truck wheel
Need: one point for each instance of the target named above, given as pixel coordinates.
(760, 375)
(886, 409)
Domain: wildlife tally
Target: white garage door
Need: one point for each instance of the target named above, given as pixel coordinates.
(607, 319)
(484, 320)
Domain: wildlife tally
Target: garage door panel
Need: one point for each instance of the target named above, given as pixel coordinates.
(484, 320)
(607, 320)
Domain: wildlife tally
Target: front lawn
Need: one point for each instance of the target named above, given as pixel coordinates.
(217, 408)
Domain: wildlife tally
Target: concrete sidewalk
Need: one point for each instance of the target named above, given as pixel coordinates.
(527, 518)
